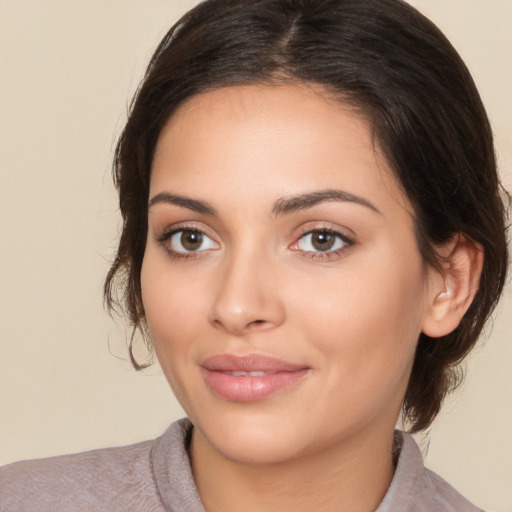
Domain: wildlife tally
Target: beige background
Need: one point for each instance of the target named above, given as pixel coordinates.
(67, 69)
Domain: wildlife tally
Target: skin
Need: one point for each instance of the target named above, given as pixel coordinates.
(256, 285)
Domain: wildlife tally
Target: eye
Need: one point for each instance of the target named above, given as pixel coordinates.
(185, 241)
(322, 241)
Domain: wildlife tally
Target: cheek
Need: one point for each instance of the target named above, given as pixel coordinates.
(366, 321)
(171, 306)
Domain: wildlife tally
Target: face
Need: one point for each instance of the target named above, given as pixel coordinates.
(282, 284)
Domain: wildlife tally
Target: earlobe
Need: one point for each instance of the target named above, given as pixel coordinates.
(452, 292)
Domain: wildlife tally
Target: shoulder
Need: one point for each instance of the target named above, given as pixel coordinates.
(105, 479)
(444, 496)
(417, 489)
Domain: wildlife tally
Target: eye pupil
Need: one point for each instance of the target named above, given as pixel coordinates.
(323, 240)
(191, 240)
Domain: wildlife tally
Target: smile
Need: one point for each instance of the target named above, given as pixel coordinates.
(249, 378)
(248, 374)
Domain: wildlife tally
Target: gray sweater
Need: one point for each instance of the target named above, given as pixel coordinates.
(155, 476)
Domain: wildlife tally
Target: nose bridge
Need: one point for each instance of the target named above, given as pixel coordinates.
(247, 297)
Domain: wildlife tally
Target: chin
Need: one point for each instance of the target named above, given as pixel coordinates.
(255, 450)
(254, 439)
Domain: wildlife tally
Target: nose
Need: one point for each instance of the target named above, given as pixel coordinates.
(247, 297)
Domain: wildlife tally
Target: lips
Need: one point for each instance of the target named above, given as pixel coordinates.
(250, 377)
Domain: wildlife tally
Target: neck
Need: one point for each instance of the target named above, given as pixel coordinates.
(352, 477)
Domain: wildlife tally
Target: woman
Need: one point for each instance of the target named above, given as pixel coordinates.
(313, 239)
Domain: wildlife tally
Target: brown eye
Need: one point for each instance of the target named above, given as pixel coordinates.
(185, 241)
(322, 240)
(191, 240)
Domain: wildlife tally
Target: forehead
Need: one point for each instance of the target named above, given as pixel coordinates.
(279, 139)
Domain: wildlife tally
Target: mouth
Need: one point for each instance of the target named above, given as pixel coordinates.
(251, 377)
(247, 374)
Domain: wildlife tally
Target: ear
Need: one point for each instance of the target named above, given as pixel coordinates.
(451, 292)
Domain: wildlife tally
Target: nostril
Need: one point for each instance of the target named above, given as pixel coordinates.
(256, 323)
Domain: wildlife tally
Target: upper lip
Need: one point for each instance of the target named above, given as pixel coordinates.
(249, 363)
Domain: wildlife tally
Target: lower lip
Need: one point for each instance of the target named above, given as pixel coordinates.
(250, 389)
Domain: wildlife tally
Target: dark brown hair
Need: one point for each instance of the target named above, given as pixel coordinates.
(380, 56)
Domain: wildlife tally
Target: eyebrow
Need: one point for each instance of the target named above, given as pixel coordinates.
(185, 202)
(282, 206)
(292, 204)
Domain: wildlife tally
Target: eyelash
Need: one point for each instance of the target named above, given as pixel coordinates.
(165, 238)
(327, 255)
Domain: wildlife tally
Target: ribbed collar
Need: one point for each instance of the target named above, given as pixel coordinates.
(171, 469)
